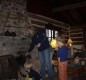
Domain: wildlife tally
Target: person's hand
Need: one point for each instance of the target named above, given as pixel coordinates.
(27, 54)
(59, 59)
(38, 45)
(56, 49)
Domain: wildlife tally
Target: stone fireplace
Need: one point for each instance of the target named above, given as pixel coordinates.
(14, 19)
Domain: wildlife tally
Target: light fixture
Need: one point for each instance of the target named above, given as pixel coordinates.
(53, 43)
(70, 42)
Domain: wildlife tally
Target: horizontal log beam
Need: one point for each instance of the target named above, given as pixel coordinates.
(68, 7)
(44, 19)
(76, 30)
(78, 43)
(77, 33)
(77, 37)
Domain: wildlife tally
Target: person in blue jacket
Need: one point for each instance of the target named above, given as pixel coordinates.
(41, 41)
(62, 54)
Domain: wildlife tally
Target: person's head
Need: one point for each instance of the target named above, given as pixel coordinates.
(31, 30)
(60, 41)
(27, 66)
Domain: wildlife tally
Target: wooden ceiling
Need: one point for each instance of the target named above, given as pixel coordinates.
(72, 12)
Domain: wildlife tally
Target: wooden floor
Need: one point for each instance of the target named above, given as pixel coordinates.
(81, 77)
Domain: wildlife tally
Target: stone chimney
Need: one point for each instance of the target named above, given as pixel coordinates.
(13, 16)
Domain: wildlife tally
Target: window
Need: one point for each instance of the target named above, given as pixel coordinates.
(51, 34)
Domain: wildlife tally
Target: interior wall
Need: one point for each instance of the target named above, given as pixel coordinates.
(77, 34)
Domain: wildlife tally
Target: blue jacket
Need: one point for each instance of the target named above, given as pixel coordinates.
(39, 37)
(62, 53)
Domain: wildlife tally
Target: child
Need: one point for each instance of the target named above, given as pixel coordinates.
(25, 69)
(31, 73)
(62, 54)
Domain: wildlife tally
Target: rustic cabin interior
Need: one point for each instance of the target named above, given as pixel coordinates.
(60, 18)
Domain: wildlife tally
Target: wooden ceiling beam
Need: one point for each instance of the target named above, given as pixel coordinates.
(82, 15)
(71, 17)
(68, 7)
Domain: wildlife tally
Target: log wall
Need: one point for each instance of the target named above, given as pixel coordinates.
(41, 21)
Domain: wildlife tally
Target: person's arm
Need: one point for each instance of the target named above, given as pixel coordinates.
(32, 45)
